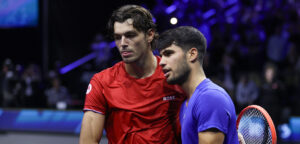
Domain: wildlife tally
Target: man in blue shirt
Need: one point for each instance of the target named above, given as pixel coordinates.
(208, 115)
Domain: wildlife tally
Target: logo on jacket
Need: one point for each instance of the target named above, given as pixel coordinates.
(89, 89)
(167, 98)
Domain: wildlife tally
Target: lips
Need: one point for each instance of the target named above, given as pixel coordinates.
(166, 72)
(126, 53)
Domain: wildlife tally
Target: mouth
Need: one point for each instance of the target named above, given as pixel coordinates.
(126, 53)
(166, 72)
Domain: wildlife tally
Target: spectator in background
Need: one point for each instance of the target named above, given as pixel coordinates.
(277, 45)
(246, 92)
(103, 51)
(271, 93)
(32, 95)
(227, 73)
(57, 95)
(7, 84)
(290, 78)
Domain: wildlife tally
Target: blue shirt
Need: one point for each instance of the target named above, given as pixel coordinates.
(209, 107)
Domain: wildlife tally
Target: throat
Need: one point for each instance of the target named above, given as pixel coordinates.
(192, 83)
(142, 69)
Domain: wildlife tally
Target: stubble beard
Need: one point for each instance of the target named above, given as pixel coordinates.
(182, 74)
(129, 60)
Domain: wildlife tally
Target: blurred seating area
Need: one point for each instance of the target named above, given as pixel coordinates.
(23, 86)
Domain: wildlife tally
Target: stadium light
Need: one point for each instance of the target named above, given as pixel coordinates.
(173, 20)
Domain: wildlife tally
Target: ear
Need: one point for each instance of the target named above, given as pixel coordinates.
(192, 55)
(150, 35)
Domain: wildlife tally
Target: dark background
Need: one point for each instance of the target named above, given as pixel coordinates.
(72, 26)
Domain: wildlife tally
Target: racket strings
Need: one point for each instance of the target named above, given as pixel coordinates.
(254, 128)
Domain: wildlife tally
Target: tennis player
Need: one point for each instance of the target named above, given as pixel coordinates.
(208, 115)
(132, 100)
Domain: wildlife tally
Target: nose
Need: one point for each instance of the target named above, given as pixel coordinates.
(162, 62)
(123, 41)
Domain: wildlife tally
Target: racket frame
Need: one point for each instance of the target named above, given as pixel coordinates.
(265, 114)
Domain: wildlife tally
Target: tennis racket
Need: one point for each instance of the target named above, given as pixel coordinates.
(256, 126)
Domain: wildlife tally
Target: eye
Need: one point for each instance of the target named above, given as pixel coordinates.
(130, 35)
(167, 53)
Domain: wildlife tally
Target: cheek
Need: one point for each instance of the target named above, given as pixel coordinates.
(179, 64)
(174, 62)
(140, 47)
(139, 42)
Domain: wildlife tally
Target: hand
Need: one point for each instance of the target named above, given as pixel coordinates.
(241, 139)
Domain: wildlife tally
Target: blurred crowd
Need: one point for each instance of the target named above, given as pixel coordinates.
(256, 58)
(25, 87)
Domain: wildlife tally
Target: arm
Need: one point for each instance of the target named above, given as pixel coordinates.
(211, 136)
(91, 128)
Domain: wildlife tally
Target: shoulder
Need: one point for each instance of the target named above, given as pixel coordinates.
(215, 91)
(212, 95)
(212, 90)
(214, 101)
(109, 73)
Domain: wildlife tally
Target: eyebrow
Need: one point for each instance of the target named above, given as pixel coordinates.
(127, 32)
(166, 51)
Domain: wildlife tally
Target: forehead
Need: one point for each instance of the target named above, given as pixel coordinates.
(123, 27)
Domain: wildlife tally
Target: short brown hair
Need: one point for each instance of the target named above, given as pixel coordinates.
(142, 19)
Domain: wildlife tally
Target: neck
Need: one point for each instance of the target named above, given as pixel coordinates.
(142, 68)
(196, 76)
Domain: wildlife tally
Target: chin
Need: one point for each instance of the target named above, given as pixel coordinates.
(171, 81)
(177, 80)
(129, 60)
